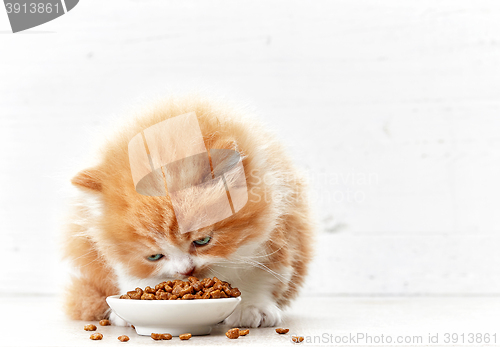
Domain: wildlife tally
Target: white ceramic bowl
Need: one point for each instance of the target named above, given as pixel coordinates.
(173, 316)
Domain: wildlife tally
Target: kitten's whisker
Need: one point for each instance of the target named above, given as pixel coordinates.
(90, 263)
(262, 256)
(229, 267)
(217, 273)
(264, 267)
(278, 276)
(83, 255)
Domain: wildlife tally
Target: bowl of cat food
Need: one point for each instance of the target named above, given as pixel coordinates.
(177, 307)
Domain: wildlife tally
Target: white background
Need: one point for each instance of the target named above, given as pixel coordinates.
(392, 107)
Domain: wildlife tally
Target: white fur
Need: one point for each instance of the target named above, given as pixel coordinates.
(258, 306)
(115, 320)
(256, 283)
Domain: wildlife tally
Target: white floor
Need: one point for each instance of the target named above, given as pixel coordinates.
(37, 321)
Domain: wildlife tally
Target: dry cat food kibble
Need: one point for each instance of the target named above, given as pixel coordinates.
(192, 289)
(244, 332)
(123, 338)
(233, 333)
(185, 336)
(90, 327)
(96, 336)
(297, 339)
(161, 336)
(104, 322)
(155, 336)
(282, 330)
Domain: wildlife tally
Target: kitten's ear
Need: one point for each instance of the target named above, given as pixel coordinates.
(88, 179)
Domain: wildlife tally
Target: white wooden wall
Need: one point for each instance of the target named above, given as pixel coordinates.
(392, 107)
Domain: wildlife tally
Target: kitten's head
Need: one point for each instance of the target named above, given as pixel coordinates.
(140, 235)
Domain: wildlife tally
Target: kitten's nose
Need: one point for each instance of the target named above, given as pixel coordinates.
(188, 272)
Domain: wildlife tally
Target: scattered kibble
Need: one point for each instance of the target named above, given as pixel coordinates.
(90, 327)
(96, 336)
(185, 336)
(282, 330)
(233, 333)
(161, 336)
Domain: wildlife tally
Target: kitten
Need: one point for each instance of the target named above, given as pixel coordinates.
(118, 239)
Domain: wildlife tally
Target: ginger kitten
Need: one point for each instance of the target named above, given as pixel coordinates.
(118, 239)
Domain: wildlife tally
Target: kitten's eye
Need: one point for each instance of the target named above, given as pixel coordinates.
(202, 242)
(155, 257)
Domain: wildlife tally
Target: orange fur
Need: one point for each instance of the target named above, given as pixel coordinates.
(130, 225)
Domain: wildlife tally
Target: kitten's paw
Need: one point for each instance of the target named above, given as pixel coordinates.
(115, 320)
(252, 316)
